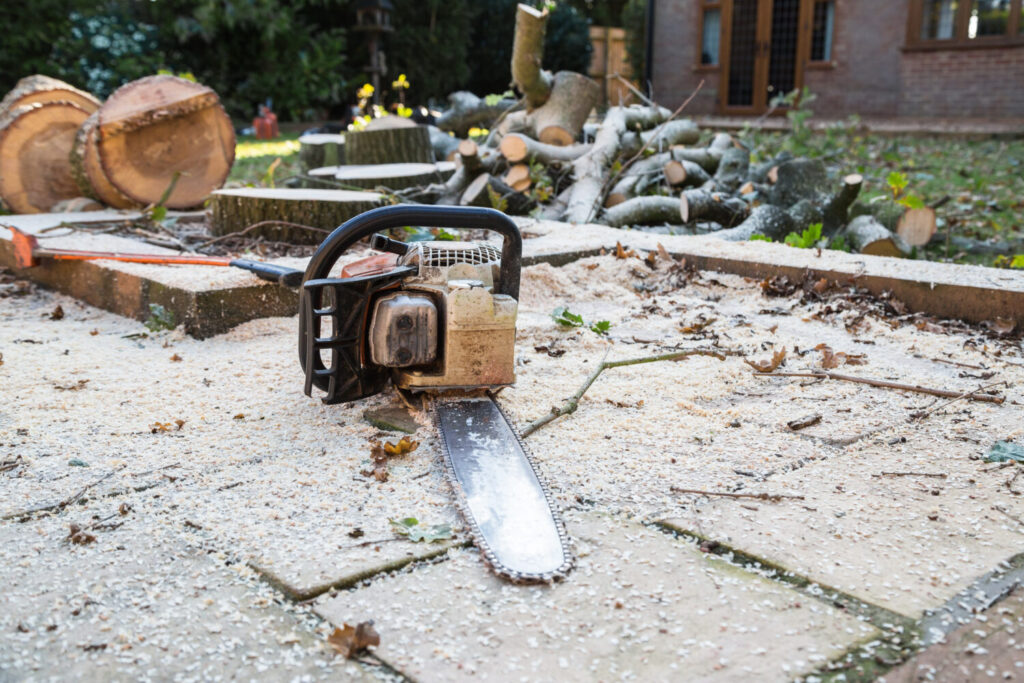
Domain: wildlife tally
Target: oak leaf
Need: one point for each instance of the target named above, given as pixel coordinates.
(349, 640)
(623, 252)
(768, 365)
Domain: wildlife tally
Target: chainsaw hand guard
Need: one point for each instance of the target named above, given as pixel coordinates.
(345, 305)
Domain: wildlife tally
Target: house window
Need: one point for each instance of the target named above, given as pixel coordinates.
(821, 31)
(966, 23)
(709, 36)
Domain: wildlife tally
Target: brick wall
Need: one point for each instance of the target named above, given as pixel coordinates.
(870, 73)
(984, 82)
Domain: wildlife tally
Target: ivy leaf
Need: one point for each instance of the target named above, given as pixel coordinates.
(601, 326)
(563, 316)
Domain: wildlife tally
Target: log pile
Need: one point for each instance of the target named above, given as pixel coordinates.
(159, 139)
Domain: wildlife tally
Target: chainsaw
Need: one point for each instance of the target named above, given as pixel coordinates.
(438, 317)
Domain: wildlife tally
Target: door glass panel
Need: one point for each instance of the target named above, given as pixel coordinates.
(937, 19)
(709, 41)
(742, 53)
(782, 63)
(988, 18)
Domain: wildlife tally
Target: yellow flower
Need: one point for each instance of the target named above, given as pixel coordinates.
(400, 83)
(404, 111)
(366, 92)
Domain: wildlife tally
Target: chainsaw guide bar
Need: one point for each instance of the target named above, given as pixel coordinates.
(503, 500)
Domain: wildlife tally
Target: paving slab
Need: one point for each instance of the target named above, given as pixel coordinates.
(905, 541)
(641, 605)
(990, 648)
(145, 601)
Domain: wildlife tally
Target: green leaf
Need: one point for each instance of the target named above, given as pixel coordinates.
(420, 533)
(807, 239)
(1018, 261)
(760, 238)
(158, 213)
(159, 318)
(601, 326)
(897, 182)
(445, 236)
(911, 201)
(563, 316)
(75, 462)
(1003, 451)
(838, 243)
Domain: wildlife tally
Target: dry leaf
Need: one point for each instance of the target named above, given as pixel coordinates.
(779, 285)
(768, 365)
(79, 536)
(663, 253)
(176, 358)
(240, 416)
(926, 326)
(124, 509)
(820, 286)
(71, 387)
(57, 314)
(404, 445)
(93, 332)
(180, 423)
(160, 427)
(350, 640)
(697, 325)
(830, 360)
(622, 252)
(1001, 326)
(651, 259)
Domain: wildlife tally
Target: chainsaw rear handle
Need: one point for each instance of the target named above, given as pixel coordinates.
(464, 217)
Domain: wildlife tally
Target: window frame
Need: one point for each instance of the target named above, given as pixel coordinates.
(703, 8)
(820, 63)
(1014, 30)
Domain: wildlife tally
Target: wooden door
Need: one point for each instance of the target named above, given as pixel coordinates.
(763, 46)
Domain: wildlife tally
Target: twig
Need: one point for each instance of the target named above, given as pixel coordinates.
(643, 98)
(572, 404)
(1008, 514)
(771, 497)
(959, 365)
(937, 475)
(988, 398)
(75, 498)
(921, 414)
(252, 227)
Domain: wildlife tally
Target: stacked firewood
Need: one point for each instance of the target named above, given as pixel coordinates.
(640, 166)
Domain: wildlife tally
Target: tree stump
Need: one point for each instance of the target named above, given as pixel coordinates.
(38, 88)
(490, 192)
(155, 127)
(35, 146)
(321, 149)
(88, 172)
(235, 210)
(390, 176)
(389, 140)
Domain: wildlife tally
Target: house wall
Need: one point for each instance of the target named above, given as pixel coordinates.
(870, 73)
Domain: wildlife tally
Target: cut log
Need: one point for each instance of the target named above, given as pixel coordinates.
(684, 173)
(708, 159)
(652, 210)
(916, 226)
(701, 205)
(867, 236)
(321, 149)
(469, 165)
(88, 172)
(235, 210)
(560, 119)
(798, 179)
(527, 52)
(156, 127)
(835, 210)
(732, 169)
(677, 132)
(38, 89)
(389, 140)
(466, 110)
(389, 176)
(35, 149)
(487, 191)
(592, 169)
(517, 147)
(444, 144)
(518, 177)
(767, 220)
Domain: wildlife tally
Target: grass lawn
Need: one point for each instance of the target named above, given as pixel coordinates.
(984, 179)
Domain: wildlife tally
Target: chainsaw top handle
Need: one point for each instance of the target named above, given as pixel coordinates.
(464, 217)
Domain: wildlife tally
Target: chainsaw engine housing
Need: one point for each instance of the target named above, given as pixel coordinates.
(435, 316)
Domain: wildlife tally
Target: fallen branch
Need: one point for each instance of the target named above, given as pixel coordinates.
(937, 475)
(988, 398)
(75, 498)
(772, 497)
(572, 404)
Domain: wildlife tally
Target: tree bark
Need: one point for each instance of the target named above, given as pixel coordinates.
(684, 173)
(767, 220)
(156, 127)
(835, 209)
(799, 179)
(35, 148)
(661, 138)
(652, 210)
(389, 140)
(38, 89)
(560, 119)
(527, 54)
(444, 145)
(466, 111)
(701, 205)
(732, 169)
(517, 147)
(487, 191)
(88, 172)
(320, 150)
(234, 210)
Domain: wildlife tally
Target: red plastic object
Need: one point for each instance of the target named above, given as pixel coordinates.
(265, 125)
